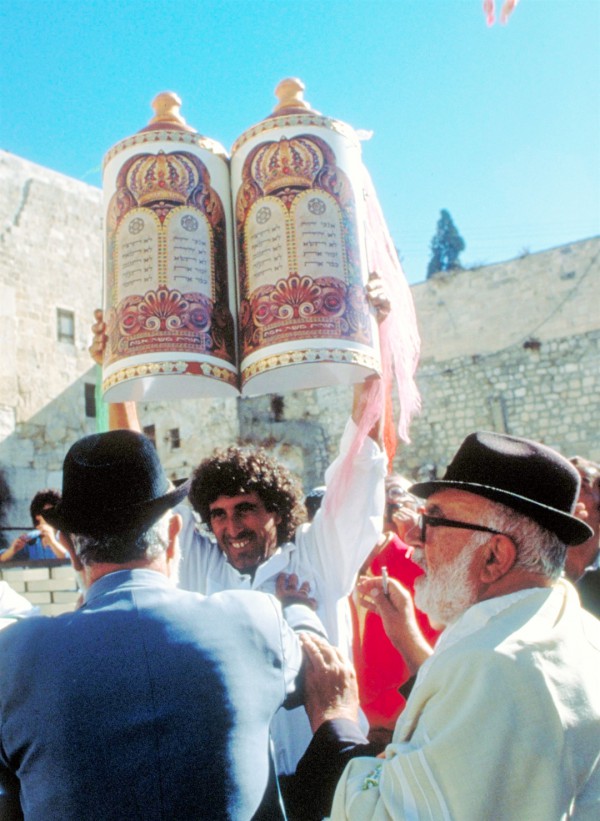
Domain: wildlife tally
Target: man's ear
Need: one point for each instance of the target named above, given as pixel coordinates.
(175, 525)
(499, 556)
(65, 540)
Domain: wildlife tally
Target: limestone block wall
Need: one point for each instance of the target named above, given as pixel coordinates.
(512, 347)
(200, 425)
(549, 295)
(50, 261)
(52, 587)
(550, 395)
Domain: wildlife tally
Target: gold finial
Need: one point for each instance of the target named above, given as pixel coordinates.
(289, 92)
(166, 106)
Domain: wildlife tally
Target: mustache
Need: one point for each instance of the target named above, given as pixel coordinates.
(243, 534)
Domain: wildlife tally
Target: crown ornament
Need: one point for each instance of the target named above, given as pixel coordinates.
(162, 177)
(287, 163)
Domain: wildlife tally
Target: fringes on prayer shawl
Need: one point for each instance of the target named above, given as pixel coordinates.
(372, 779)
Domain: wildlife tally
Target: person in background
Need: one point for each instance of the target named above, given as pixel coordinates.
(313, 501)
(42, 543)
(504, 719)
(384, 673)
(582, 566)
(147, 702)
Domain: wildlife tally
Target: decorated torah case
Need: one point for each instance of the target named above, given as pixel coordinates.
(169, 289)
(297, 189)
(182, 319)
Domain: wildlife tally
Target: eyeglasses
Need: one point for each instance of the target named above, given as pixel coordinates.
(425, 521)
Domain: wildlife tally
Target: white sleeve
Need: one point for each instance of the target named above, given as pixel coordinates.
(338, 541)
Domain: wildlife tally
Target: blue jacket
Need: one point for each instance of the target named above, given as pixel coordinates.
(147, 703)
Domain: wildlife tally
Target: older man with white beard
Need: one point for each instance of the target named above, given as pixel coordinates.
(504, 719)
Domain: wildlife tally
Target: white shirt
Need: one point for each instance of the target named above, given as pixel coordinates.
(327, 553)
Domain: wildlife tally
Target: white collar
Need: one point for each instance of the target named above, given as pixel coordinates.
(478, 615)
(473, 619)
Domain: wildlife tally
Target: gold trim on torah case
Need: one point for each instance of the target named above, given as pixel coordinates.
(297, 189)
(169, 283)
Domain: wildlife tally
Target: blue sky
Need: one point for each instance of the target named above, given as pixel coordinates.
(500, 125)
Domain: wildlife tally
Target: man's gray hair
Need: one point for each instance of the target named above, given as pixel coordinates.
(538, 549)
(141, 544)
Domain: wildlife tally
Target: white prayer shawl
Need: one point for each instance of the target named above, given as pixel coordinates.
(503, 722)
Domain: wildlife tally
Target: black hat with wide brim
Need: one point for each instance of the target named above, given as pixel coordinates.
(528, 477)
(113, 482)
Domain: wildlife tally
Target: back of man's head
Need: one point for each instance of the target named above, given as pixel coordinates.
(141, 544)
(235, 471)
(115, 493)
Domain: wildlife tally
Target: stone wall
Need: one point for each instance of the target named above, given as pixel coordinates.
(52, 587)
(548, 394)
(511, 346)
(50, 260)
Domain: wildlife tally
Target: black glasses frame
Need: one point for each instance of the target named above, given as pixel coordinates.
(426, 521)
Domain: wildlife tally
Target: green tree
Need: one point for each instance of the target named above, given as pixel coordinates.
(446, 246)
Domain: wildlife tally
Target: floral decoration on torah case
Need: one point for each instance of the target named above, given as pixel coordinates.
(298, 255)
(166, 253)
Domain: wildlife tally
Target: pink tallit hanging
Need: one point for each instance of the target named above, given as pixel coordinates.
(399, 342)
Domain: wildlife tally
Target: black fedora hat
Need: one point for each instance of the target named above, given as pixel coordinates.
(533, 479)
(113, 482)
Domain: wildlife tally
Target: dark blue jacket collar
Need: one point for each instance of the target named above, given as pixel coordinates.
(126, 579)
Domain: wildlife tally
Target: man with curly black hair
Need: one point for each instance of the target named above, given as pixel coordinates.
(253, 507)
(267, 487)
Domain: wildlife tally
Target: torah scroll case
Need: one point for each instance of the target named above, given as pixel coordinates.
(304, 322)
(169, 286)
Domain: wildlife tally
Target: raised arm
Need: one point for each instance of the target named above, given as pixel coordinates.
(121, 415)
(367, 394)
(363, 391)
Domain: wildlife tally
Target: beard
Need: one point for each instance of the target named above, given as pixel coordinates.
(445, 593)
